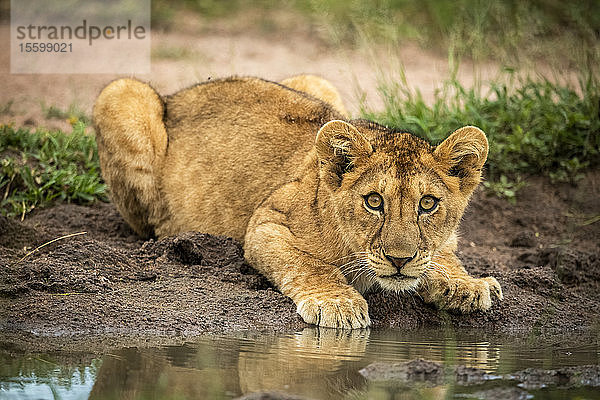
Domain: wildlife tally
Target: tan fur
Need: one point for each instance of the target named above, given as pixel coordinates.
(318, 87)
(133, 150)
(280, 171)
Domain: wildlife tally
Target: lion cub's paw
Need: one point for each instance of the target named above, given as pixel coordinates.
(467, 294)
(345, 309)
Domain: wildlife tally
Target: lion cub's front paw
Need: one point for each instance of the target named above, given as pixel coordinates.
(335, 309)
(466, 294)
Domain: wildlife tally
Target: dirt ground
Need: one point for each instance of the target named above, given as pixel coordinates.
(543, 250)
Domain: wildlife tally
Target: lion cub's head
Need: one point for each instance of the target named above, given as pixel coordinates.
(397, 199)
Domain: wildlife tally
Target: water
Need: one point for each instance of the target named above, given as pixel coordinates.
(313, 363)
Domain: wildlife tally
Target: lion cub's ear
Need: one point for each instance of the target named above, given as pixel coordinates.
(463, 154)
(339, 146)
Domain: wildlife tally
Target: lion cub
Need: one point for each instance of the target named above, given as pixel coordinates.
(326, 208)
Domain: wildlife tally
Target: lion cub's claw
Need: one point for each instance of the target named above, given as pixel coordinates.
(469, 294)
(344, 310)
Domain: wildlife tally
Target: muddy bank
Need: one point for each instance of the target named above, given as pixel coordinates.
(183, 286)
(433, 373)
(517, 385)
(543, 250)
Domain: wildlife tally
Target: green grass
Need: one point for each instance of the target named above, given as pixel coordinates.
(534, 127)
(555, 31)
(38, 168)
(470, 26)
(73, 114)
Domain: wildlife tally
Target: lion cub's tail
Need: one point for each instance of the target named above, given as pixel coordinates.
(132, 142)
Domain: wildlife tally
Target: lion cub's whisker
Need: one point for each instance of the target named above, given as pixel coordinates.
(356, 255)
(441, 269)
(358, 265)
(353, 255)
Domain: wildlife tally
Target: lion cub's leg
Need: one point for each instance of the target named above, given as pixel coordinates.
(449, 286)
(319, 290)
(132, 142)
(321, 88)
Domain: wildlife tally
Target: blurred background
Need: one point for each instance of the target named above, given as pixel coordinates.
(359, 45)
(524, 71)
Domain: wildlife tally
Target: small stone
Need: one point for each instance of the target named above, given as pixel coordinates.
(523, 239)
(412, 371)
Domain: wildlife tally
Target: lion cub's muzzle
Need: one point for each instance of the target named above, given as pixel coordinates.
(399, 263)
(403, 273)
(406, 267)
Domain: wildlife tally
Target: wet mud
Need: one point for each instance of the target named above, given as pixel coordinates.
(107, 281)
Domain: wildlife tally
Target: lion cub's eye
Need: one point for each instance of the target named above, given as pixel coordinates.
(374, 201)
(428, 203)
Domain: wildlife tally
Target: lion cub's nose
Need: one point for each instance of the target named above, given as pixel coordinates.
(399, 262)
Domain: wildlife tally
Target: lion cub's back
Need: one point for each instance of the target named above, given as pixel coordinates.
(231, 143)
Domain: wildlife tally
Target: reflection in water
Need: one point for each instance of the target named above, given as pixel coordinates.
(319, 363)
(315, 363)
(42, 378)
